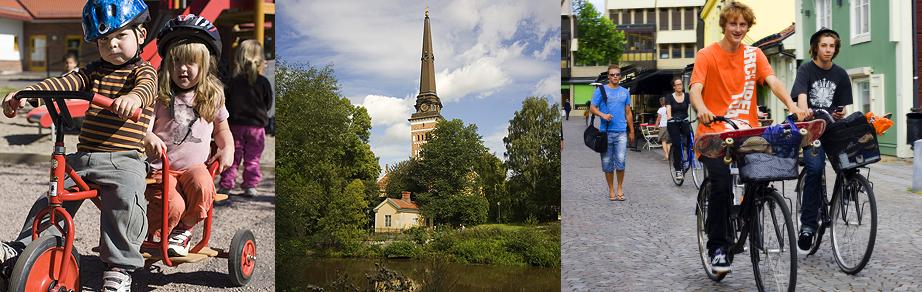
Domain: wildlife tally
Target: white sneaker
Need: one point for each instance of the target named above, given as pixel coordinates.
(179, 242)
(115, 280)
(7, 252)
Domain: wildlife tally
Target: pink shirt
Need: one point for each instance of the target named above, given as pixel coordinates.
(173, 129)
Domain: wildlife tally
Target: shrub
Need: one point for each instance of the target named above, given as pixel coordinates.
(401, 249)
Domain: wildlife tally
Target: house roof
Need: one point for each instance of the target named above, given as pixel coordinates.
(12, 9)
(400, 205)
(53, 9)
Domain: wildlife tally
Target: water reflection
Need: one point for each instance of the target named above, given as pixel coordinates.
(335, 274)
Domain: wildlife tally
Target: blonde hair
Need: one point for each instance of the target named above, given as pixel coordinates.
(209, 91)
(247, 59)
(734, 10)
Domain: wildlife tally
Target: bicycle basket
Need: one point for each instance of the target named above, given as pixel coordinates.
(770, 157)
(851, 143)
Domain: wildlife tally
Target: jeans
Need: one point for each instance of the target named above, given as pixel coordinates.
(614, 157)
(815, 164)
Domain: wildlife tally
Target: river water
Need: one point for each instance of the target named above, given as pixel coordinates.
(438, 275)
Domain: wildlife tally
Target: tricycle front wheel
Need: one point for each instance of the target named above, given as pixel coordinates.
(39, 267)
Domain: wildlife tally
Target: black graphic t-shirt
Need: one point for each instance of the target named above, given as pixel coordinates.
(825, 89)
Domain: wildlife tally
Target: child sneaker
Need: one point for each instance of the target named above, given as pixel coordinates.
(116, 280)
(7, 252)
(250, 192)
(179, 242)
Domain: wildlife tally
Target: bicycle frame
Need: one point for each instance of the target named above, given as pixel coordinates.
(57, 195)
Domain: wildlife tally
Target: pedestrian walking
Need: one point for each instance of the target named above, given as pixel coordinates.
(614, 106)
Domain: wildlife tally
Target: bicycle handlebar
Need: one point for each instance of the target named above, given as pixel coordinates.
(94, 98)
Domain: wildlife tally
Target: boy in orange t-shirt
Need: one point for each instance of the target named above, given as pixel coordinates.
(724, 83)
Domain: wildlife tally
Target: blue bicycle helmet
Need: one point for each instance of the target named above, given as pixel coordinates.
(102, 17)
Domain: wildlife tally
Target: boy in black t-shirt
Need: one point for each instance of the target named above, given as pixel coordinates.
(819, 84)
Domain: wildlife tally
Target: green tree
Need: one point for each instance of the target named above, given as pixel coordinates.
(533, 159)
(452, 192)
(600, 42)
(325, 168)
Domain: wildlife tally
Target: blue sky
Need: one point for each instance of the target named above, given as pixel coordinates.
(489, 56)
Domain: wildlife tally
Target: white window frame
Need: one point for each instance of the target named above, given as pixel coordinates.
(859, 99)
(387, 221)
(860, 13)
(823, 14)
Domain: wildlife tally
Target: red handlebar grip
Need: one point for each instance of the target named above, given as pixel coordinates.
(106, 102)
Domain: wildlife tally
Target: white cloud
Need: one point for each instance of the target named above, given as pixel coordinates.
(549, 87)
(551, 46)
(481, 77)
(386, 110)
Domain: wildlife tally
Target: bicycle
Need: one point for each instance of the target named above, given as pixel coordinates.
(760, 213)
(688, 158)
(51, 263)
(837, 214)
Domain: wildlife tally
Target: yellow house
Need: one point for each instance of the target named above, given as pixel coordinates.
(394, 215)
(771, 17)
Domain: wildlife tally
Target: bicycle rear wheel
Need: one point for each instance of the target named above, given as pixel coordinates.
(854, 224)
(772, 244)
(701, 212)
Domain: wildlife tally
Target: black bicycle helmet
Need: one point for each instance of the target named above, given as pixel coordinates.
(189, 28)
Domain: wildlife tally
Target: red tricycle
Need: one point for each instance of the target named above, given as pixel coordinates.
(50, 262)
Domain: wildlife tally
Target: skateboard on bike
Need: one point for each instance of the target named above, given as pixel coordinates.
(713, 144)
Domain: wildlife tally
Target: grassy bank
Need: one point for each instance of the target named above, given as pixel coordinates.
(500, 244)
(494, 244)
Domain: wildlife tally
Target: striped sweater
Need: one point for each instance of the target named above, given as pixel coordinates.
(103, 130)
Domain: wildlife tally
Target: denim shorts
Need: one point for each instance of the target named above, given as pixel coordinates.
(614, 157)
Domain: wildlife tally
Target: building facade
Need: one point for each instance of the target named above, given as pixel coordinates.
(660, 34)
(35, 35)
(395, 215)
(877, 53)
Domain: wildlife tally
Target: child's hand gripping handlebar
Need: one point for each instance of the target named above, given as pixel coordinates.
(49, 96)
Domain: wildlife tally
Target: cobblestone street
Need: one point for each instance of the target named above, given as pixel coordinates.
(648, 242)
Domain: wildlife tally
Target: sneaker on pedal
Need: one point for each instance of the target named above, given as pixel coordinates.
(116, 280)
(679, 175)
(805, 240)
(179, 242)
(720, 262)
(7, 253)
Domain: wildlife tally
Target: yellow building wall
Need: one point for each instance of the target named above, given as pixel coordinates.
(771, 17)
(399, 221)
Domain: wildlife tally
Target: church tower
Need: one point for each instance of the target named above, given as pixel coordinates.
(428, 106)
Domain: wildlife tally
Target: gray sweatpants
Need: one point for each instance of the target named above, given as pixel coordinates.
(123, 219)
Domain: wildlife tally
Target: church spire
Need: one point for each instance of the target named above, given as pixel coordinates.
(427, 95)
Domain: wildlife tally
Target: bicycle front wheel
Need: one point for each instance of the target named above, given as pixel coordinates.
(673, 172)
(854, 224)
(701, 212)
(772, 244)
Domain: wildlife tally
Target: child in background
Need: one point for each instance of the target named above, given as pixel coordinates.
(249, 98)
(109, 149)
(70, 63)
(190, 108)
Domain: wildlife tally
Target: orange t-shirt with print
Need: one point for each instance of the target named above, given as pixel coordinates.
(729, 81)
